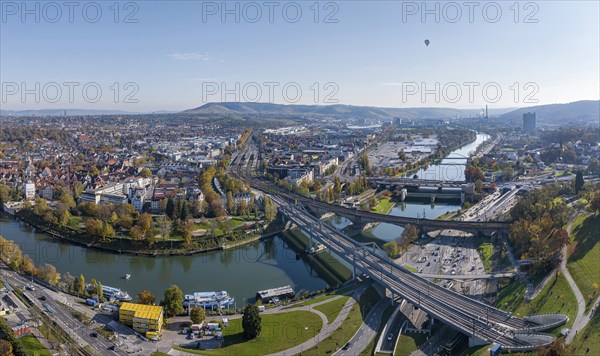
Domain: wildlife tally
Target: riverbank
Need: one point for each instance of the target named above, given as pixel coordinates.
(326, 265)
(127, 246)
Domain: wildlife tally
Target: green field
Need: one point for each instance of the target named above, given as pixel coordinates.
(333, 308)
(485, 253)
(384, 206)
(587, 341)
(511, 294)
(33, 346)
(584, 260)
(556, 297)
(408, 343)
(279, 332)
(348, 328)
(481, 350)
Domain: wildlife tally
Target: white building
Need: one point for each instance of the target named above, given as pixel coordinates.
(138, 199)
(29, 191)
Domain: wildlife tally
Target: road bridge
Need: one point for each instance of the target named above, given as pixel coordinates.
(481, 322)
(425, 225)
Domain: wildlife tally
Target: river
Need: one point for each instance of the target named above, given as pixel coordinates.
(241, 271)
(450, 168)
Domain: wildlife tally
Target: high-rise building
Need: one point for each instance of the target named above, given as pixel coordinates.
(29, 191)
(529, 122)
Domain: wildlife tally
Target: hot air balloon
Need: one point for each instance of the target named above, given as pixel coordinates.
(427, 43)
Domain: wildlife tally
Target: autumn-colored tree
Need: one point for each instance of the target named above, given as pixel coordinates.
(145, 297)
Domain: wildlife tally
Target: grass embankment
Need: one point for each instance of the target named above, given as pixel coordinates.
(33, 346)
(481, 350)
(587, 341)
(408, 343)
(584, 258)
(315, 300)
(279, 332)
(326, 265)
(556, 297)
(332, 309)
(384, 206)
(349, 326)
(485, 250)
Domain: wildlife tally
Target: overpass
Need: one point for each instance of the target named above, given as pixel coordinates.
(416, 183)
(481, 322)
(362, 217)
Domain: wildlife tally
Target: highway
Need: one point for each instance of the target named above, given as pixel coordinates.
(467, 315)
(80, 333)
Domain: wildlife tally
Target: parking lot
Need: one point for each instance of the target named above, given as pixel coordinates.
(452, 253)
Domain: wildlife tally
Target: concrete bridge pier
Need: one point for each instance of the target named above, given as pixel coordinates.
(403, 193)
(475, 341)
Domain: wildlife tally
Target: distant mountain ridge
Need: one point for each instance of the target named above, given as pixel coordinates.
(61, 112)
(371, 112)
(584, 111)
(578, 111)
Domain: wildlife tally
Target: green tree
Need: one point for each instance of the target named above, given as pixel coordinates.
(391, 248)
(145, 173)
(594, 166)
(94, 172)
(270, 209)
(230, 203)
(99, 290)
(80, 284)
(594, 205)
(173, 301)
(251, 322)
(185, 212)
(579, 182)
(170, 209)
(197, 315)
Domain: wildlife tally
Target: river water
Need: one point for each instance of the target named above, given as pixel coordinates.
(241, 271)
(450, 168)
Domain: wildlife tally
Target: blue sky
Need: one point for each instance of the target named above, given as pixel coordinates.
(373, 53)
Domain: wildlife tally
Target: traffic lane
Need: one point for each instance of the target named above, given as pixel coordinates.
(389, 344)
(366, 331)
(73, 325)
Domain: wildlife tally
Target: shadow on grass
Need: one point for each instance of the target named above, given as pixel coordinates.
(586, 237)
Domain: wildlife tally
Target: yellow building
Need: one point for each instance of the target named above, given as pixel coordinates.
(146, 319)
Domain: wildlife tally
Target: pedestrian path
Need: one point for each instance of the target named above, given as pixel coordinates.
(328, 328)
